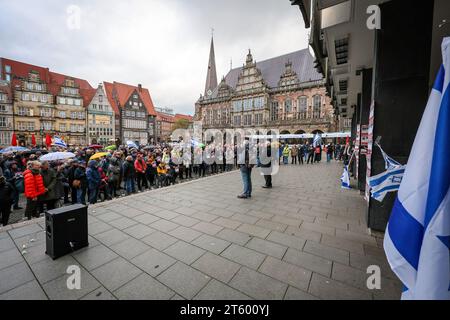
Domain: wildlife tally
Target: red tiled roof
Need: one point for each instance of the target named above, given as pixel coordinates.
(184, 116)
(120, 92)
(20, 69)
(164, 117)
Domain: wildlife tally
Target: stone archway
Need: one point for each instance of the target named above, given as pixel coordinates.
(299, 141)
(285, 140)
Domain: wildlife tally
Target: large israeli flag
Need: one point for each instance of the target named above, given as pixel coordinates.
(417, 240)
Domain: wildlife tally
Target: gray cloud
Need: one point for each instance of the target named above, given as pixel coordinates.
(163, 45)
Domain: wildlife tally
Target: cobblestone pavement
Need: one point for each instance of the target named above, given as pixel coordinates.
(303, 239)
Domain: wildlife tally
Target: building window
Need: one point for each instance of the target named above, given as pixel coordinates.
(3, 122)
(44, 98)
(62, 127)
(302, 107)
(7, 69)
(45, 112)
(3, 108)
(77, 102)
(288, 106)
(237, 120)
(25, 97)
(317, 101)
(274, 111)
(62, 100)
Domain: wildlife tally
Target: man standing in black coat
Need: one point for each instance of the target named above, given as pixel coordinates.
(267, 171)
(6, 192)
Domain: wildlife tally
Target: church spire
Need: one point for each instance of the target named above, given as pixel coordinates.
(211, 78)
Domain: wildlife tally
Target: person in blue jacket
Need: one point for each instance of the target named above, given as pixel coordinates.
(93, 179)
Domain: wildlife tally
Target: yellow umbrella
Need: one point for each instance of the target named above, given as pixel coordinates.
(99, 155)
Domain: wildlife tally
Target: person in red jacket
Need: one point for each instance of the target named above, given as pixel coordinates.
(140, 166)
(34, 187)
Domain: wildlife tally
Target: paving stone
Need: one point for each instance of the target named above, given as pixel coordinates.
(216, 290)
(14, 276)
(177, 297)
(363, 262)
(26, 230)
(146, 218)
(35, 252)
(99, 294)
(327, 252)
(98, 227)
(254, 230)
(186, 234)
(153, 262)
(287, 240)
(244, 256)
(131, 212)
(109, 216)
(318, 228)
(285, 272)
(260, 214)
(308, 261)
(257, 285)
(358, 237)
(47, 270)
(339, 243)
(221, 212)
(227, 223)
(271, 225)
(111, 237)
(159, 240)
(234, 236)
(216, 267)
(296, 294)
(10, 258)
(287, 221)
(304, 234)
(94, 257)
(207, 228)
(184, 252)
(328, 289)
(267, 247)
(116, 273)
(57, 289)
(215, 245)
(163, 225)
(130, 248)
(123, 223)
(184, 280)
(28, 291)
(244, 218)
(6, 244)
(139, 231)
(144, 287)
(204, 216)
(185, 221)
(186, 211)
(166, 214)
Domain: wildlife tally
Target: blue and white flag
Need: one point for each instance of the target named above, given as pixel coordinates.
(131, 144)
(390, 163)
(385, 182)
(59, 142)
(417, 238)
(317, 140)
(345, 179)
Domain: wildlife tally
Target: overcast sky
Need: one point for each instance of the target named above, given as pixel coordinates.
(162, 44)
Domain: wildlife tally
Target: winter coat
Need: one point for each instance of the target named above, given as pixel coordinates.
(113, 172)
(6, 192)
(34, 184)
(294, 151)
(49, 179)
(128, 170)
(140, 166)
(59, 185)
(80, 174)
(92, 175)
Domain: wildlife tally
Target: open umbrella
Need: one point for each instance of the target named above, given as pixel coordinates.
(99, 155)
(14, 140)
(14, 149)
(95, 146)
(113, 147)
(55, 156)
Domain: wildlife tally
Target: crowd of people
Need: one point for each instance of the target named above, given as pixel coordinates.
(310, 154)
(84, 180)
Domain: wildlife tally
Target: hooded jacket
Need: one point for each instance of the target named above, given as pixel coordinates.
(34, 184)
(92, 175)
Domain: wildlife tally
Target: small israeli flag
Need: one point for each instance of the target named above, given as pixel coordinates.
(385, 182)
(345, 179)
(59, 142)
(131, 144)
(390, 163)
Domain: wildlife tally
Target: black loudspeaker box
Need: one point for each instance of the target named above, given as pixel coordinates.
(66, 230)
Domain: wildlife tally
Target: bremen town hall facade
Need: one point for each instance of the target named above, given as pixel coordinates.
(284, 93)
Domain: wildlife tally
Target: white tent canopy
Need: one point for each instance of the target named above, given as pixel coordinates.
(303, 136)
